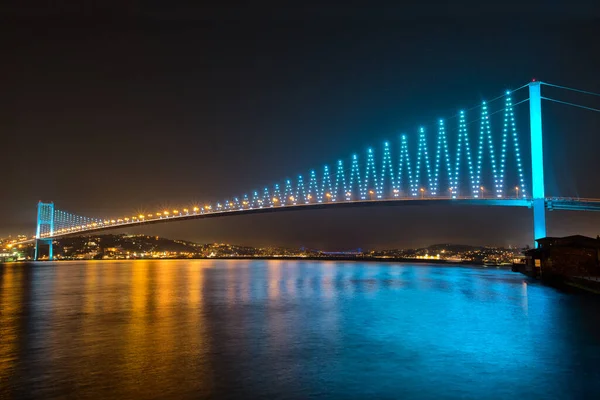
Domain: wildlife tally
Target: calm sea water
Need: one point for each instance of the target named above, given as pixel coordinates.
(291, 330)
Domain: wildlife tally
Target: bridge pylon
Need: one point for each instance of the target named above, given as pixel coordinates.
(45, 227)
(537, 162)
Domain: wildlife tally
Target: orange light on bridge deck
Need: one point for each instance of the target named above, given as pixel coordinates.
(165, 212)
(175, 211)
(292, 198)
(185, 210)
(244, 202)
(126, 219)
(95, 224)
(196, 209)
(371, 192)
(348, 194)
(328, 195)
(112, 221)
(275, 199)
(230, 204)
(207, 207)
(309, 196)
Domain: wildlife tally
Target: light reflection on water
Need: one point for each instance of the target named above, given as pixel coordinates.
(290, 329)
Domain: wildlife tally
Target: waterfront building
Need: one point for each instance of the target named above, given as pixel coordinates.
(570, 256)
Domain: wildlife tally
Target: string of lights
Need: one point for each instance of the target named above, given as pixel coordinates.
(442, 143)
(510, 125)
(386, 166)
(370, 174)
(366, 181)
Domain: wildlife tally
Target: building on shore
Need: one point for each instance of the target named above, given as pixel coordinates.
(567, 258)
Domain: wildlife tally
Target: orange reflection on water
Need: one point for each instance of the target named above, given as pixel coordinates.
(11, 304)
(90, 282)
(274, 269)
(166, 322)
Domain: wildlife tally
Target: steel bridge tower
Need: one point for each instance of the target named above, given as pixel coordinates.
(45, 227)
(537, 162)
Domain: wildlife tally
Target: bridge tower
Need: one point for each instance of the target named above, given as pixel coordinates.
(45, 225)
(537, 161)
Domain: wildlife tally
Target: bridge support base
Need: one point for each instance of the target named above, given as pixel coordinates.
(39, 242)
(539, 220)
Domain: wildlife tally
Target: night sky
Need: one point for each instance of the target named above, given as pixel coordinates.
(112, 109)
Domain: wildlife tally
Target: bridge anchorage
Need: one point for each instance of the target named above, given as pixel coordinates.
(385, 180)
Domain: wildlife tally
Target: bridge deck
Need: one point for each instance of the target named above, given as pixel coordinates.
(297, 207)
(551, 204)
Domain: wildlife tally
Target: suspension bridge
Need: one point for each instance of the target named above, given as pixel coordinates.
(487, 167)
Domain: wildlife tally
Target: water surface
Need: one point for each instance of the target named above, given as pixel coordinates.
(291, 330)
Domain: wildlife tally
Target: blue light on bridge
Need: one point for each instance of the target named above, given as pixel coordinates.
(405, 161)
(386, 167)
(313, 188)
(326, 188)
(288, 193)
(510, 125)
(300, 190)
(340, 182)
(423, 153)
(442, 144)
(355, 179)
(370, 174)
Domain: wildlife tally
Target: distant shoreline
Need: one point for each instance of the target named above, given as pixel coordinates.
(296, 258)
